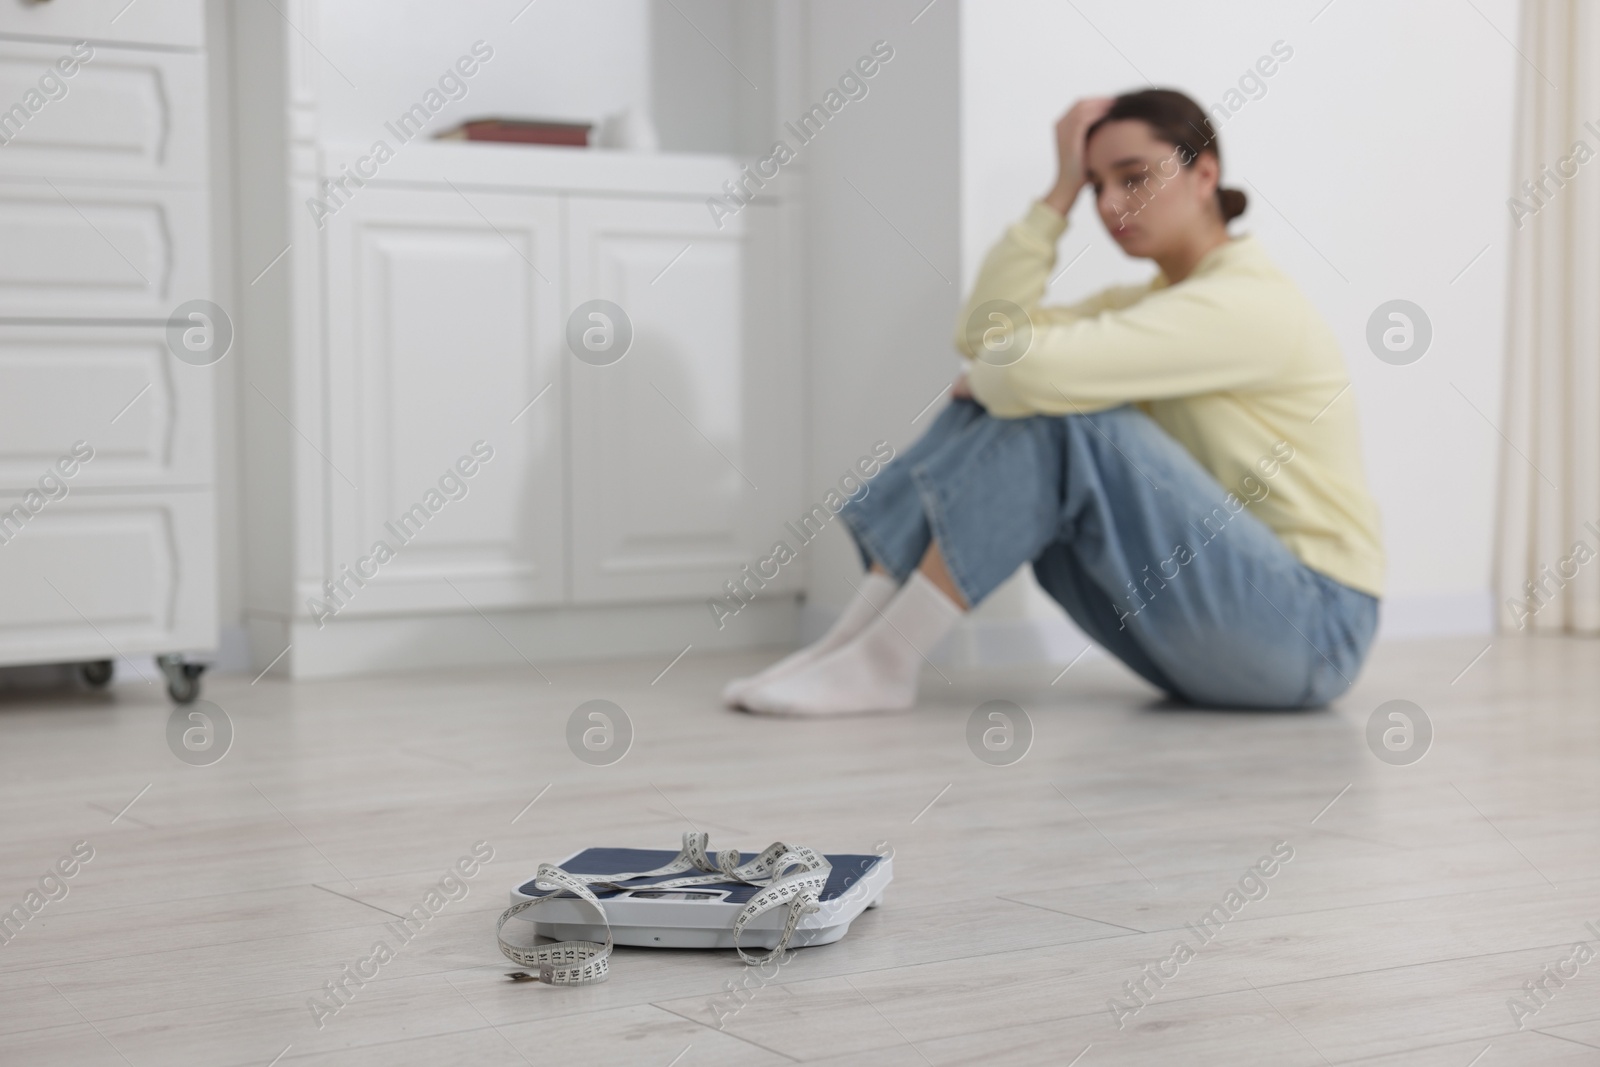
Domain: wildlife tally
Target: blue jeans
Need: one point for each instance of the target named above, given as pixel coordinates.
(1134, 539)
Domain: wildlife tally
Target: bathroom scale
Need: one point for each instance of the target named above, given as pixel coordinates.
(699, 916)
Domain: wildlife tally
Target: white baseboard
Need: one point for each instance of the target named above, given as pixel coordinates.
(368, 645)
(233, 650)
(1459, 614)
(350, 645)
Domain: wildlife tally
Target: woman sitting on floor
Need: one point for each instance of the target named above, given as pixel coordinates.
(1178, 460)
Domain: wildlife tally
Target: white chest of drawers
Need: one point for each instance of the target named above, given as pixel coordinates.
(107, 542)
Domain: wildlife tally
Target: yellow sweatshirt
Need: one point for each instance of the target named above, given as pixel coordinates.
(1231, 361)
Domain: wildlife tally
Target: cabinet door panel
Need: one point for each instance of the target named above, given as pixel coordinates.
(676, 484)
(442, 331)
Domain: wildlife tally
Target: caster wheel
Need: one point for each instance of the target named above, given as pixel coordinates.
(183, 679)
(96, 674)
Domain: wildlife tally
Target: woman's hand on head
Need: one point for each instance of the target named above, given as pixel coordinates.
(1071, 129)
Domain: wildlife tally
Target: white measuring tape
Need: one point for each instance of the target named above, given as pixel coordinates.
(787, 875)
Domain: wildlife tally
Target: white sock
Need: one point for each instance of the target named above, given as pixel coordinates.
(877, 670)
(876, 590)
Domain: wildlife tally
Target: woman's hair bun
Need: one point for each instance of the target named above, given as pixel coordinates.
(1232, 202)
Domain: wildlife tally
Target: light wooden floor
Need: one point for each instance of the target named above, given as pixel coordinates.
(1025, 896)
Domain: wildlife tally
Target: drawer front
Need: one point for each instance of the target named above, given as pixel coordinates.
(177, 23)
(146, 415)
(78, 251)
(91, 576)
(119, 114)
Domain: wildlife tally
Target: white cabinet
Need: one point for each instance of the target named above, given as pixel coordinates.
(103, 235)
(419, 305)
(443, 329)
(447, 312)
(683, 452)
(638, 487)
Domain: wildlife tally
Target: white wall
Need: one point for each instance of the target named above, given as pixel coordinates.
(882, 275)
(230, 545)
(1383, 168)
(701, 102)
(561, 60)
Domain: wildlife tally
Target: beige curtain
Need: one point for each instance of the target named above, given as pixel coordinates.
(1547, 569)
